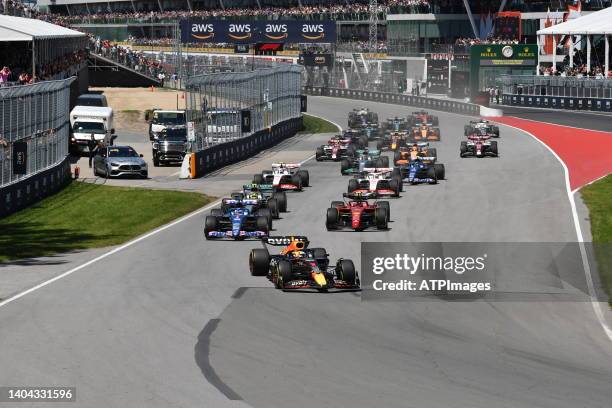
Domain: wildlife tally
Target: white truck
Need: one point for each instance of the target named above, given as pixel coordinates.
(91, 120)
(161, 119)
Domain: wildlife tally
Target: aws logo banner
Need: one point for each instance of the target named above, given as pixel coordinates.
(242, 31)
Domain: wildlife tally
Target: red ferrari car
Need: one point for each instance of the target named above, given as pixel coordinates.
(358, 213)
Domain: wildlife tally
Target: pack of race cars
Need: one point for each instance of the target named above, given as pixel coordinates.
(249, 213)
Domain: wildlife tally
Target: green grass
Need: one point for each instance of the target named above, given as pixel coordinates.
(317, 125)
(598, 198)
(85, 216)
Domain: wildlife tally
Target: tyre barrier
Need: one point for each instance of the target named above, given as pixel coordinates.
(397, 99)
(223, 154)
(558, 102)
(23, 193)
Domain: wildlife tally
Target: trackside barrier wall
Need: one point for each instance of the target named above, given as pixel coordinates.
(397, 99)
(559, 102)
(216, 156)
(36, 115)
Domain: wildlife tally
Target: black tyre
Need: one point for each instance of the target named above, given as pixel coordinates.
(396, 173)
(331, 220)
(264, 224)
(494, 148)
(319, 254)
(396, 156)
(344, 165)
(335, 204)
(380, 218)
(283, 273)
(380, 144)
(353, 185)
(155, 160)
(297, 181)
(466, 130)
(258, 179)
(351, 150)
(210, 224)
(259, 262)
(267, 214)
(379, 163)
(433, 152)
(435, 121)
(463, 149)
(319, 153)
(400, 182)
(440, 171)
(387, 207)
(385, 161)
(305, 176)
(363, 141)
(273, 207)
(345, 271)
(216, 212)
(431, 174)
(281, 198)
(495, 130)
(237, 196)
(395, 185)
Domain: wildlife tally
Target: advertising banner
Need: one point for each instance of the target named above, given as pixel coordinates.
(316, 59)
(258, 31)
(20, 157)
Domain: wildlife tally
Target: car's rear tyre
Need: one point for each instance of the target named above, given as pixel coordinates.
(210, 224)
(264, 224)
(463, 149)
(345, 271)
(431, 174)
(351, 150)
(273, 207)
(396, 173)
(387, 207)
(259, 262)
(494, 148)
(283, 273)
(258, 179)
(363, 141)
(216, 212)
(237, 196)
(385, 161)
(353, 185)
(380, 218)
(433, 152)
(380, 145)
(281, 198)
(335, 204)
(344, 166)
(331, 220)
(397, 156)
(265, 212)
(305, 177)
(395, 185)
(440, 171)
(296, 180)
(320, 255)
(379, 163)
(319, 153)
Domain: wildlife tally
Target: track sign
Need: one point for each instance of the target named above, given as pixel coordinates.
(245, 120)
(20, 158)
(303, 103)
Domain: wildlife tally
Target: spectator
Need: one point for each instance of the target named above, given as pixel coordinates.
(497, 95)
(4, 76)
(92, 145)
(161, 76)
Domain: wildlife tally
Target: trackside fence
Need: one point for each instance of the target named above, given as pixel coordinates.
(397, 99)
(34, 134)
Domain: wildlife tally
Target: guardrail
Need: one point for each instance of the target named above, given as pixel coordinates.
(397, 99)
(558, 102)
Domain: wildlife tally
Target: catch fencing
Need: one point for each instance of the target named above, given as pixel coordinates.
(36, 116)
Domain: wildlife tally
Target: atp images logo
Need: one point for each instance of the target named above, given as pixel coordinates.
(203, 31)
(313, 31)
(276, 31)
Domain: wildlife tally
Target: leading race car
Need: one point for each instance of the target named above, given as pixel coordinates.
(300, 267)
(416, 150)
(419, 117)
(424, 132)
(361, 117)
(478, 145)
(237, 219)
(358, 213)
(265, 196)
(361, 160)
(419, 171)
(475, 125)
(284, 176)
(376, 180)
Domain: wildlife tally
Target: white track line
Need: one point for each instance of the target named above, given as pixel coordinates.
(585, 262)
(128, 244)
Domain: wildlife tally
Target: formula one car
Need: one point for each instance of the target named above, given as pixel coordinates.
(266, 197)
(358, 213)
(361, 117)
(478, 145)
(341, 146)
(284, 176)
(361, 160)
(419, 117)
(370, 131)
(393, 141)
(482, 124)
(395, 124)
(416, 150)
(358, 139)
(298, 267)
(419, 171)
(237, 220)
(424, 132)
(376, 180)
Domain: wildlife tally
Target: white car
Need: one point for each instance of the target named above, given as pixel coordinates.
(284, 176)
(376, 180)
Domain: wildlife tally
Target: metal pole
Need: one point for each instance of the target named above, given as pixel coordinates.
(33, 59)
(588, 38)
(554, 61)
(539, 41)
(571, 51)
(607, 57)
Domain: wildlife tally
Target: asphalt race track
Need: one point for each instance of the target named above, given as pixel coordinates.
(175, 321)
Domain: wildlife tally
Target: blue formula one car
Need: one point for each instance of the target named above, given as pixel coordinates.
(420, 171)
(238, 219)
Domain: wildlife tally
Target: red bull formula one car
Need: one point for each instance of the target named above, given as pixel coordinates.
(358, 213)
(299, 267)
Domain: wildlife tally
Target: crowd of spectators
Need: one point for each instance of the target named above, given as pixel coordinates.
(578, 71)
(17, 8)
(466, 41)
(136, 60)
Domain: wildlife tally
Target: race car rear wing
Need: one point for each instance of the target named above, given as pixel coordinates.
(285, 240)
(260, 187)
(286, 165)
(381, 170)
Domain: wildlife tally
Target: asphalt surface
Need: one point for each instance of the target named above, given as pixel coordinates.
(601, 121)
(177, 321)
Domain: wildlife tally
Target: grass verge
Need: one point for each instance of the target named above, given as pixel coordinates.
(598, 198)
(313, 124)
(86, 215)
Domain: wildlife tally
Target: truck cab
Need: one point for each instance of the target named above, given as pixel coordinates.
(170, 145)
(86, 121)
(161, 119)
